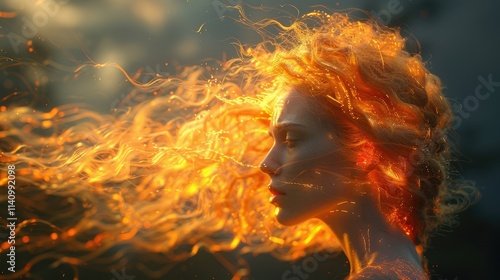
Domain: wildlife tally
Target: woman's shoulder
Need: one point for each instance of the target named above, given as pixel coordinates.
(394, 270)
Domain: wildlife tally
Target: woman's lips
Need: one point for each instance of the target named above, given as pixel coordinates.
(274, 191)
(277, 196)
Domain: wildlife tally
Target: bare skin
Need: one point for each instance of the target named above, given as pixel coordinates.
(309, 179)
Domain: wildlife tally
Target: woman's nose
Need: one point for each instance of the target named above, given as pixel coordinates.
(268, 165)
(265, 168)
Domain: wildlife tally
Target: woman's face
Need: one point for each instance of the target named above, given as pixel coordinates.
(306, 169)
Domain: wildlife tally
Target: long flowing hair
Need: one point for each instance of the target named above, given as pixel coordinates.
(179, 171)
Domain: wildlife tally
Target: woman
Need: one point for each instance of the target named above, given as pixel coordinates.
(360, 143)
(359, 128)
(311, 178)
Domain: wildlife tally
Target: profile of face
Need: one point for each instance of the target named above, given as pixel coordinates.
(309, 176)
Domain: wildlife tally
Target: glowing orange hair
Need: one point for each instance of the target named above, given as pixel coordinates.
(387, 110)
(178, 172)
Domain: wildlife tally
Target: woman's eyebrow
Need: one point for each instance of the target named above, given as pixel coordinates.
(283, 126)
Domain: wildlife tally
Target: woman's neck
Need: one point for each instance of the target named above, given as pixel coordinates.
(366, 238)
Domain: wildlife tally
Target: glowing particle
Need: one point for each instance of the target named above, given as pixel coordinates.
(277, 240)
(125, 220)
(29, 44)
(54, 236)
(46, 124)
(199, 29)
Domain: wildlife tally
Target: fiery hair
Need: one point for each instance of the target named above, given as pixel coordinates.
(388, 110)
(179, 171)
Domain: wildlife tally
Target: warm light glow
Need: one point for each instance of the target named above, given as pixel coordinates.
(54, 236)
(179, 172)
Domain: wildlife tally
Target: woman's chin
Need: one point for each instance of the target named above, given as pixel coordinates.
(286, 218)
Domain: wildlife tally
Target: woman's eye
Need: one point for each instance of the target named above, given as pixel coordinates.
(291, 142)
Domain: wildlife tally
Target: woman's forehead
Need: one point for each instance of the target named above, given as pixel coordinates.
(293, 108)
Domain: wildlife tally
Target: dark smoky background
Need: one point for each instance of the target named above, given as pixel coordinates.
(459, 40)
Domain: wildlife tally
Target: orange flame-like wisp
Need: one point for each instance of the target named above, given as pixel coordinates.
(174, 174)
